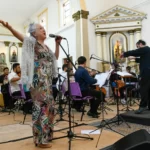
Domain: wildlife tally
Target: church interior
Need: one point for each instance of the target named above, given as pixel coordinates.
(100, 31)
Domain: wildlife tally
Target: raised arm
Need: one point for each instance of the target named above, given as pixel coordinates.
(136, 53)
(18, 35)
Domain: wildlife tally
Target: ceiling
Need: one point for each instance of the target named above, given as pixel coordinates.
(19, 11)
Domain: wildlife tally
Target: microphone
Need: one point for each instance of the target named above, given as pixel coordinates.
(56, 36)
(91, 57)
(76, 63)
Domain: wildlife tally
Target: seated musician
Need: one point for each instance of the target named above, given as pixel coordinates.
(4, 87)
(114, 77)
(14, 79)
(85, 80)
(130, 84)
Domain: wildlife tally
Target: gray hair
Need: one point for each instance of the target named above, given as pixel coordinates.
(32, 28)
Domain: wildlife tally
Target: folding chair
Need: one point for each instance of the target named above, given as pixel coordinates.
(22, 96)
(76, 95)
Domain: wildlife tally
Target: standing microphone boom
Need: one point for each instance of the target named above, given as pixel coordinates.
(91, 57)
(56, 36)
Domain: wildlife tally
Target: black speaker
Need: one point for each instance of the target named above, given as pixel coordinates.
(139, 140)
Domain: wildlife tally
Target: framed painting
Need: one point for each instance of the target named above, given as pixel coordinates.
(13, 53)
(118, 44)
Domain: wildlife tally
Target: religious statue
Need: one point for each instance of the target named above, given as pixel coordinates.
(14, 56)
(117, 51)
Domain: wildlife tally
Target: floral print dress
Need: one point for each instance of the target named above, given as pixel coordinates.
(43, 106)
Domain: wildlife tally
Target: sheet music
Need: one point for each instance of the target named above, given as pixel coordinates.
(102, 77)
(124, 73)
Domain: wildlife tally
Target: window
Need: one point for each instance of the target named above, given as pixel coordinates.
(42, 18)
(66, 12)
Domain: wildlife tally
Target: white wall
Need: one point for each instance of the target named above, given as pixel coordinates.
(145, 7)
(69, 34)
(55, 28)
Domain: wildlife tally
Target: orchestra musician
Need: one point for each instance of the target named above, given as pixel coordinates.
(85, 80)
(129, 84)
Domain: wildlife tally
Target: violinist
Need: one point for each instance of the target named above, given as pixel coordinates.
(114, 78)
(85, 80)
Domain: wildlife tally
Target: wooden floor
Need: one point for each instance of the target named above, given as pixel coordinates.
(107, 137)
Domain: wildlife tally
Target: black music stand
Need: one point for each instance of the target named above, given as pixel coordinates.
(127, 108)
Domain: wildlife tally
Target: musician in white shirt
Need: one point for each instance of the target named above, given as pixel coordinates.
(14, 80)
(62, 80)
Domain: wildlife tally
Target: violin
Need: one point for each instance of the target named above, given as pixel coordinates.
(102, 89)
(120, 83)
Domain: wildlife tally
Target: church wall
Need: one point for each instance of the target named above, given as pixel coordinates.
(100, 6)
(6, 36)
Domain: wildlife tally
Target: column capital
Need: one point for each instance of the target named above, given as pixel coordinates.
(6, 43)
(98, 33)
(131, 31)
(104, 33)
(138, 29)
(80, 14)
(76, 16)
(84, 14)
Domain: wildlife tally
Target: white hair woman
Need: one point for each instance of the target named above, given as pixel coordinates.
(38, 70)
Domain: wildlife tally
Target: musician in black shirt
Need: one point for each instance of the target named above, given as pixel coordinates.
(4, 86)
(143, 52)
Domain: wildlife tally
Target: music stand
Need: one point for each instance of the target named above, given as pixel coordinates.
(128, 108)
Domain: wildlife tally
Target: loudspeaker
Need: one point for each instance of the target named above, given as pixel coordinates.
(139, 140)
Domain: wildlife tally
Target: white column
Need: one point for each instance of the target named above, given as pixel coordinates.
(137, 34)
(104, 46)
(99, 50)
(99, 44)
(131, 40)
(82, 43)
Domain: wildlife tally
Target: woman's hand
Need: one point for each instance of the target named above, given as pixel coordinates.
(17, 34)
(58, 40)
(5, 24)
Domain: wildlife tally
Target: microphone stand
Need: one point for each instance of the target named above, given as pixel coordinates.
(60, 110)
(70, 133)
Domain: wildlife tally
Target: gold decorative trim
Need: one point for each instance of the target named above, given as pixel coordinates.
(104, 33)
(98, 32)
(76, 16)
(20, 44)
(138, 29)
(6, 43)
(84, 14)
(131, 31)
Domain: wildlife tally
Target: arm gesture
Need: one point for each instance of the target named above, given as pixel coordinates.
(13, 31)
